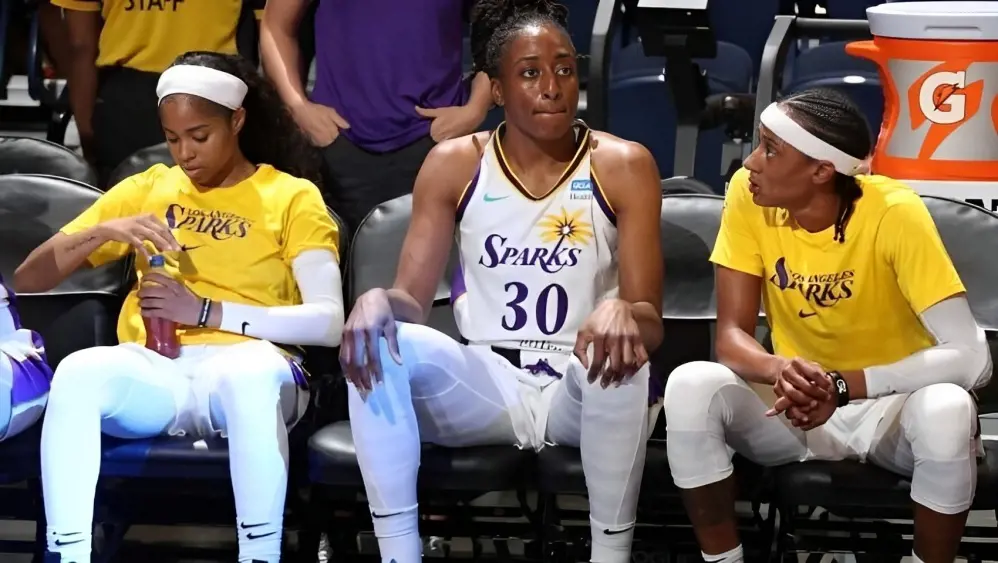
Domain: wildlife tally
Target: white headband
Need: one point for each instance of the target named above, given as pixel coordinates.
(213, 85)
(801, 139)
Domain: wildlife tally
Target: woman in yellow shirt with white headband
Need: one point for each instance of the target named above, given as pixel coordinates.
(876, 348)
(254, 262)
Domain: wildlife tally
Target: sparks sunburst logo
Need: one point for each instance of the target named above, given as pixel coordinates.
(565, 226)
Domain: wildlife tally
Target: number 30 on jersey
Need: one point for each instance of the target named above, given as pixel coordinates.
(519, 308)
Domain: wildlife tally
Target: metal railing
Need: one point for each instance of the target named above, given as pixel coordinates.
(608, 14)
(786, 30)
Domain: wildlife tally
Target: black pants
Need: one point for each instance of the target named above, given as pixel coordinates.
(356, 180)
(125, 117)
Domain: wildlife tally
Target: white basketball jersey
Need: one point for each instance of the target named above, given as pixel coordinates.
(532, 269)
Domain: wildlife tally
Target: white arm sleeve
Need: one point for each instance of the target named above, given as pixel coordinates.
(318, 321)
(960, 356)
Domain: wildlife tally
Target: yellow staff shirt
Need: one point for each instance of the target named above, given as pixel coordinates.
(845, 306)
(239, 241)
(148, 35)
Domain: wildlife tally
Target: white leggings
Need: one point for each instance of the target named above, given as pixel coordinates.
(454, 395)
(128, 391)
(928, 435)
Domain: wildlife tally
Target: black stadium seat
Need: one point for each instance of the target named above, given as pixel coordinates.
(689, 226)
(444, 474)
(25, 155)
(373, 260)
(79, 313)
(140, 161)
(860, 490)
(685, 185)
(32, 209)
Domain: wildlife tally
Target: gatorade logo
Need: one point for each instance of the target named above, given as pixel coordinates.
(943, 97)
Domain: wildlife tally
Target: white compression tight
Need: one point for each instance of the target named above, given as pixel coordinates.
(928, 434)
(454, 395)
(128, 391)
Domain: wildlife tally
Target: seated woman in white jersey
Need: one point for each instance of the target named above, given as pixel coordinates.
(252, 274)
(876, 348)
(557, 228)
(24, 373)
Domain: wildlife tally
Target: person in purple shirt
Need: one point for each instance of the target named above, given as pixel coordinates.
(24, 373)
(389, 86)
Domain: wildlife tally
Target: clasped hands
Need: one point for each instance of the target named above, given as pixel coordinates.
(805, 394)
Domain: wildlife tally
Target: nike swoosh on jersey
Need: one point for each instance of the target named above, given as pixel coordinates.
(490, 198)
(804, 315)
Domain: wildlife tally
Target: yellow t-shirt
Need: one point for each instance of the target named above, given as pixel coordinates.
(239, 241)
(148, 35)
(845, 306)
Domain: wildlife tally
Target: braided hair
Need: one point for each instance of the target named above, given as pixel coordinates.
(832, 117)
(495, 22)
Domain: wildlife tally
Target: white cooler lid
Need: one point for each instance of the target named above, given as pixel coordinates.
(945, 21)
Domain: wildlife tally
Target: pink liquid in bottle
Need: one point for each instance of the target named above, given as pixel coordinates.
(161, 334)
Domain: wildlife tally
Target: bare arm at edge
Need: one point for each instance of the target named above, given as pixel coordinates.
(58, 257)
(441, 181)
(279, 48)
(738, 300)
(631, 181)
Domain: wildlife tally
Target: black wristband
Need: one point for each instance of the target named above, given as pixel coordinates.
(841, 388)
(205, 313)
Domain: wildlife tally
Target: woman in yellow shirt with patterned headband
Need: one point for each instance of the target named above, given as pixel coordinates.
(876, 348)
(257, 254)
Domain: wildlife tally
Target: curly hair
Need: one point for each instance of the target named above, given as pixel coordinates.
(495, 22)
(269, 134)
(832, 117)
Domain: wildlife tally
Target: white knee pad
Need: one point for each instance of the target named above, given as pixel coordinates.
(940, 422)
(694, 418)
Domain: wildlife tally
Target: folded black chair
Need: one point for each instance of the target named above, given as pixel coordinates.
(26, 155)
(855, 490)
(451, 474)
(79, 313)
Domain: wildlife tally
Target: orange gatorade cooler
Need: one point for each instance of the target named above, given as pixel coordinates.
(939, 70)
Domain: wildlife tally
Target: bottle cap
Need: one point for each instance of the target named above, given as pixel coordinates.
(157, 261)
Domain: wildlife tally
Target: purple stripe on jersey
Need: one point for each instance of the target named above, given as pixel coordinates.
(602, 202)
(298, 373)
(12, 304)
(457, 286)
(468, 193)
(30, 382)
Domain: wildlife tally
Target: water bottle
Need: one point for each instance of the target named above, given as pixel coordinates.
(161, 334)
